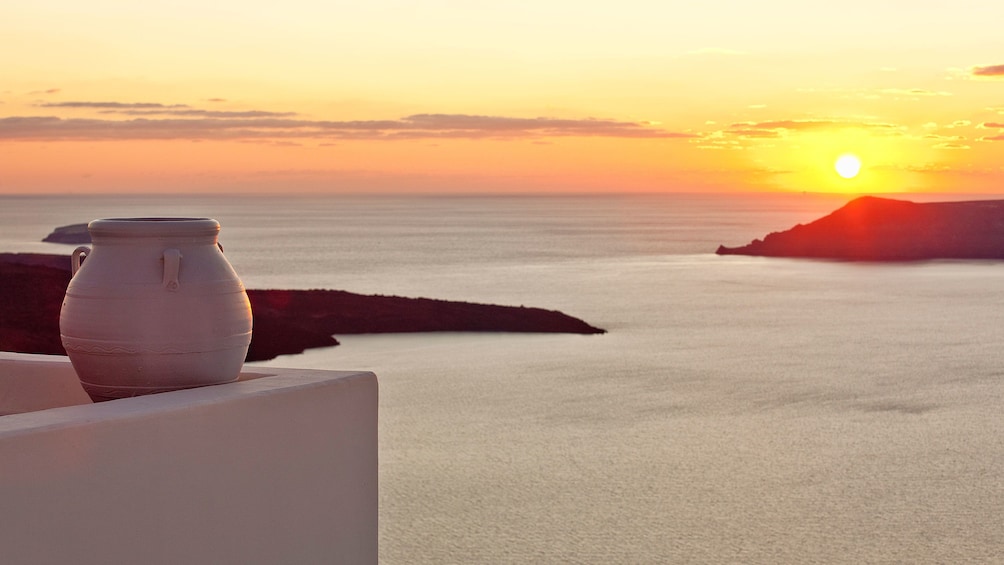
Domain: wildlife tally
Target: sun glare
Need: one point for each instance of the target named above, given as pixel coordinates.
(848, 166)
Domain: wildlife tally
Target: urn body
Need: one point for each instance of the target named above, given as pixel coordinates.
(154, 306)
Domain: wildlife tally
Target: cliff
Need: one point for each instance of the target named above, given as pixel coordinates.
(884, 229)
(285, 321)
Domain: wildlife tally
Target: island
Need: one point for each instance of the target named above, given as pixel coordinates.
(285, 321)
(72, 234)
(870, 228)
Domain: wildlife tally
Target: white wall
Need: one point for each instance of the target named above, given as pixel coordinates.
(35, 382)
(276, 469)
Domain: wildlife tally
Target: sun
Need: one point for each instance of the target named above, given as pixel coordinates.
(848, 166)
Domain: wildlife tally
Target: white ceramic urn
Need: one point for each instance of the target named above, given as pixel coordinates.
(154, 306)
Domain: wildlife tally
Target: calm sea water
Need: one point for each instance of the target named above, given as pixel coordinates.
(740, 409)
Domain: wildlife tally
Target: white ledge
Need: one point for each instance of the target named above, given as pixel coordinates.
(280, 467)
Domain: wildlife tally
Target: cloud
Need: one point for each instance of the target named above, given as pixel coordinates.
(988, 71)
(993, 138)
(47, 91)
(754, 132)
(239, 126)
(914, 92)
(717, 140)
(991, 125)
(810, 124)
(111, 105)
(776, 128)
(876, 94)
(462, 125)
(157, 109)
(191, 112)
(951, 146)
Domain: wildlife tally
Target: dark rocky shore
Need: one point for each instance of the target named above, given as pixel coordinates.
(285, 321)
(884, 229)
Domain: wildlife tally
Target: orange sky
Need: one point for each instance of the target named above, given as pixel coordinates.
(549, 95)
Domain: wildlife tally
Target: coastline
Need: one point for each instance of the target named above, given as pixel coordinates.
(285, 321)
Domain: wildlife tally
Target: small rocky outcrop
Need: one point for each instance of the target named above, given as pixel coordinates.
(285, 321)
(73, 234)
(884, 229)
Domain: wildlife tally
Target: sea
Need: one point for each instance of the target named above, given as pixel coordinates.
(738, 409)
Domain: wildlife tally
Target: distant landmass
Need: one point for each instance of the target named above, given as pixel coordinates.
(285, 321)
(884, 229)
(73, 234)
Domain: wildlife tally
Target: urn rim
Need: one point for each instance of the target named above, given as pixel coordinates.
(154, 227)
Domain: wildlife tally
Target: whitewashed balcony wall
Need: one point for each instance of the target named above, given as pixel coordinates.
(276, 468)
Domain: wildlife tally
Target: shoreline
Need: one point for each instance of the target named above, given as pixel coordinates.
(285, 321)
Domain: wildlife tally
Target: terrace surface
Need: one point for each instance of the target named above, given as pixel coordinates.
(279, 467)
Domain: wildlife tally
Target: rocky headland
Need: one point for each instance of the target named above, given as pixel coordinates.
(73, 233)
(884, 229)
(285, 321)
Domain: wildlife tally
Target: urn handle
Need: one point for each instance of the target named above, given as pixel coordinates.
(75, 258)
(172, 264)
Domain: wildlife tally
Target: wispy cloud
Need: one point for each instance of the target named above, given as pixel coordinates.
(211, 125)
(914, 92)
(999, 126)
(157, 109)
(807, 124)
(754, 132)
(988, 71)
(462, 124)
(192, 112)
(112, 105)
(777, 128)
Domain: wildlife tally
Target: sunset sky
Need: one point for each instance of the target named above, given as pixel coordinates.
(516, 96)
